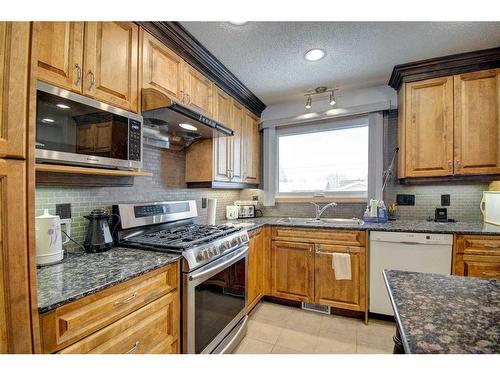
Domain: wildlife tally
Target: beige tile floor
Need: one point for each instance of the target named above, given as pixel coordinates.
(279, 329)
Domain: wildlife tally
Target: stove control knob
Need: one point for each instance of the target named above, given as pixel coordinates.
(199, 257)
(213, 250)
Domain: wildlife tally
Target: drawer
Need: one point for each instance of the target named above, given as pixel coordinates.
(485, 270)
(478, 245)
(320, 236)
(78, 319)
(152, 329)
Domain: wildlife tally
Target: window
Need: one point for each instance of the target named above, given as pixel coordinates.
(329, 159)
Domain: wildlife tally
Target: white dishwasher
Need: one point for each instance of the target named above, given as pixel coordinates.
(419, 252)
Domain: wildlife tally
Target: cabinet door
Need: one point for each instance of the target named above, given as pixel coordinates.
(111, 59)
(59, 53)
(255, 268)
(251, 148)
(236, 142)
(292, 271)
(222, 145)
(14, 69)
(198, 91)
(161, 68)
(429, 127)
(15, 314)
(477, 122)
(345, 294)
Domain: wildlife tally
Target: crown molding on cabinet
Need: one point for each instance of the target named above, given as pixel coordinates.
(190, 49)
(444, 66)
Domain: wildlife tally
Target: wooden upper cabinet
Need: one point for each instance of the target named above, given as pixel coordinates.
(236, 165)
(222, 145)
(14, 73)
(15, 313)
(477, 122)
(111, 63)
(197, 90)
(292, 267)
(59, 51)
(345, 294)
(162, 69)
(429, 127)
(251, 148)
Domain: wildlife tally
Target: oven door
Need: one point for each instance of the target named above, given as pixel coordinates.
(214, 302)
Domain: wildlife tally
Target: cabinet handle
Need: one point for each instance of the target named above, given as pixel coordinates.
(92, 79)
(78, 74)
(134, 348)
(182, 96)
(189, 99)
(457, 163)
(450, 165)
(127, 300)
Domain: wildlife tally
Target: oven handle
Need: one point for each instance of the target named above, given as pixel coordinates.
(239, 254)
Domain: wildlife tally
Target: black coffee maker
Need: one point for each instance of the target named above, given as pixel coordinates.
(98, 234)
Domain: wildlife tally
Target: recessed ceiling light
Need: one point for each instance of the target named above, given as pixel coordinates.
(238, 23)
(309, 102)
(63, 106)
(188, 126)
(314, 54)
(48, 120)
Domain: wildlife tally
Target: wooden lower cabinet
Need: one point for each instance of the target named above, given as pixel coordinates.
(148, 330)
(255, 268)
(292, 271)
(137, 316)
(15, 313)
(301, 267)
(477, 256)
(344, 294)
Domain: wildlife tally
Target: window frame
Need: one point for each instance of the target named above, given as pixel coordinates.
(320, 195)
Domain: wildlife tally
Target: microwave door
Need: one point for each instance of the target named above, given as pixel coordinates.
(71, 130)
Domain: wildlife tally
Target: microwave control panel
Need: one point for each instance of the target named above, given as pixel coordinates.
(134, 140)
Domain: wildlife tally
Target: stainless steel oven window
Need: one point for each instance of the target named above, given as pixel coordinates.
(221, 312)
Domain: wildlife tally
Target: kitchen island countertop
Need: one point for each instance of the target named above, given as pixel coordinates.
(445, 314)
(81, 274)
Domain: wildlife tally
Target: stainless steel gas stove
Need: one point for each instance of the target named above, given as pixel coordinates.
(214, 269)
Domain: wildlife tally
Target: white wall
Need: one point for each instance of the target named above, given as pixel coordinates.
(345, 99)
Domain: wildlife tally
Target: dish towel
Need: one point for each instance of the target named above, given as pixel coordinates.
(341, 264)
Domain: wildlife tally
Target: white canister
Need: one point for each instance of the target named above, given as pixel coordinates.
(48, 238)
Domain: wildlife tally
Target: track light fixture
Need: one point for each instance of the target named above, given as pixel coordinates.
(321, 90)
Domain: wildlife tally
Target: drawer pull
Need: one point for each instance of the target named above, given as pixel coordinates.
(134, 348)
(127, 300)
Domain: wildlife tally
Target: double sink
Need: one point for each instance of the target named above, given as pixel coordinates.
(309, 220)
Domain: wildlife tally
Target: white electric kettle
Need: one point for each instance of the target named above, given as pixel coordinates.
(48, 238)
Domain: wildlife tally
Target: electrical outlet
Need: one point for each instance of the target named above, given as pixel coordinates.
(445, 199)
(405, 199)
(63, 210)
(203, 202)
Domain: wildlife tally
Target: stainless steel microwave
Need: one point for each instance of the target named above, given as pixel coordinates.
(74, 129)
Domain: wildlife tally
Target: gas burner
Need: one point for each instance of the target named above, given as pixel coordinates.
(184, 236)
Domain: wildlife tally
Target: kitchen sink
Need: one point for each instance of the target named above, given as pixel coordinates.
(310, 220)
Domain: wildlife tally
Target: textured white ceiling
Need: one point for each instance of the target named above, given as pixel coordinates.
(268, 56)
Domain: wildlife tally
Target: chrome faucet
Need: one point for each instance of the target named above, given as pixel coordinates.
(319, 210)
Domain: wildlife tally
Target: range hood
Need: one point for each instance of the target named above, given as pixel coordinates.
(169, 124)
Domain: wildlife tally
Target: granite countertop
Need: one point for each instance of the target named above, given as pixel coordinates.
(445, 314)
(82, 274)
(421, 226)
